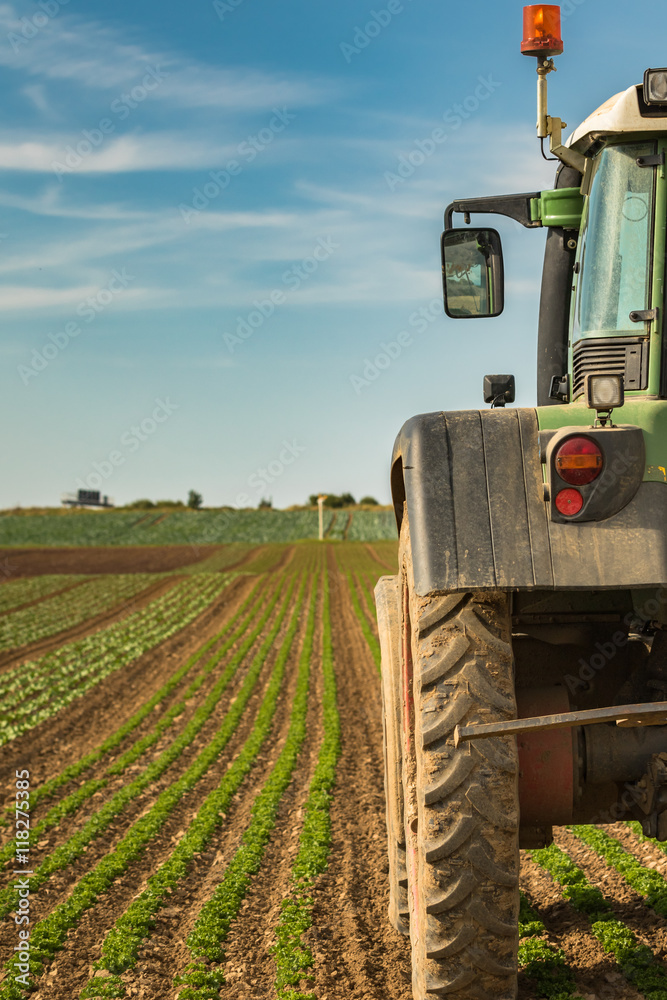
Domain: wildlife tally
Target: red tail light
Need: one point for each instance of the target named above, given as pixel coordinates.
(579, 461)
(569, 502)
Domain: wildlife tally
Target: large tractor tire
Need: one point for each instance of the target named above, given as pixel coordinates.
(387, 595)
(461, 803)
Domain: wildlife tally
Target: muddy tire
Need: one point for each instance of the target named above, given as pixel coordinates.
(461, 804)
(387, 604)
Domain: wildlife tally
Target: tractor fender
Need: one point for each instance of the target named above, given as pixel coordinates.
(474, 488)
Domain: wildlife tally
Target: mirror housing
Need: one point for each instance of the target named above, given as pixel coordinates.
(499, 389)
(472, 273)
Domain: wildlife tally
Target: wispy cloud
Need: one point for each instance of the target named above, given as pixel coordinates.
(126, 153)
(20, 298)
(95, 55)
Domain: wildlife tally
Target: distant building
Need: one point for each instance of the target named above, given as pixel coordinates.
(86, 498)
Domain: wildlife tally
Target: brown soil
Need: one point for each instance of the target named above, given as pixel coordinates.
(121, 559)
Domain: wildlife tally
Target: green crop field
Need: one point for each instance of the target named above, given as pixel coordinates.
(203, 527)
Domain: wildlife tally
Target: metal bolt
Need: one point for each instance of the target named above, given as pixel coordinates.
(571, 244)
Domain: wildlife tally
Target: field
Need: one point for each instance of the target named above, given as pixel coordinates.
(194, 741)
(193, 528)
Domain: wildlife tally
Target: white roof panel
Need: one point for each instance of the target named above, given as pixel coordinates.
(617, 115)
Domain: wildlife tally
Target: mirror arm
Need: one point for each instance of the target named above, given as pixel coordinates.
(514, 206)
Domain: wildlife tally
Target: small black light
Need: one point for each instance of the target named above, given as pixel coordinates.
(499, 389)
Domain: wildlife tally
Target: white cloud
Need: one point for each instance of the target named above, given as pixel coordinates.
(156, 151)
(20, 298)
(95, 55)
(50, 202)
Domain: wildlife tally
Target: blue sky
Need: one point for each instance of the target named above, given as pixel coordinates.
(206, 236)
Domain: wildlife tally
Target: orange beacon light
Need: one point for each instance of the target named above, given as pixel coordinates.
(541, 30)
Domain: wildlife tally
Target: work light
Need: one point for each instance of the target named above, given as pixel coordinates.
(655, 86)
(604, 392)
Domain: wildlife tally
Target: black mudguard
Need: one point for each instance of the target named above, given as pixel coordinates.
(474, 489)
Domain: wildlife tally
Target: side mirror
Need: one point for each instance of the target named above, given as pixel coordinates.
(472, 273)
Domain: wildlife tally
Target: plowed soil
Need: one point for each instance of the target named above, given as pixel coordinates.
(356, 954)
(15, 563)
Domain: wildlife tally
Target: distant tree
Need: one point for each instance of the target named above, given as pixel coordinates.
(140, 505)
(333, 499)
(266, 503)
(195, 500)
(369, 502)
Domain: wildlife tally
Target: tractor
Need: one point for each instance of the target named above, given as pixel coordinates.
(524, 636)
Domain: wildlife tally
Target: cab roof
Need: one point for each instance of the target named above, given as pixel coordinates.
(620, 114)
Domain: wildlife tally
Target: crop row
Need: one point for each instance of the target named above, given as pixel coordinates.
(293, 957)
(369, 634)
(56, 614)
(541, 961)
(98, 823)
(49, 934)
(636, 961)
(15, 593)
(188, 527)
(646, 881)
(37, 690)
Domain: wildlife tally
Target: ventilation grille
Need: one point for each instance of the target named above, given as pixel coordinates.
(611, 356)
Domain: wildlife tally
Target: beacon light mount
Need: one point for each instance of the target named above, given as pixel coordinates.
(542, 39)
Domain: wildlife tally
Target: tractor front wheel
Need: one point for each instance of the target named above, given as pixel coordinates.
(461, 803)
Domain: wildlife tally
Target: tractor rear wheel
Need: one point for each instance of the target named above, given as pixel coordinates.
(461, 803)
(386, 600)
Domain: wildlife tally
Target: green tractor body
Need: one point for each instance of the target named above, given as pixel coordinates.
(524, 638)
